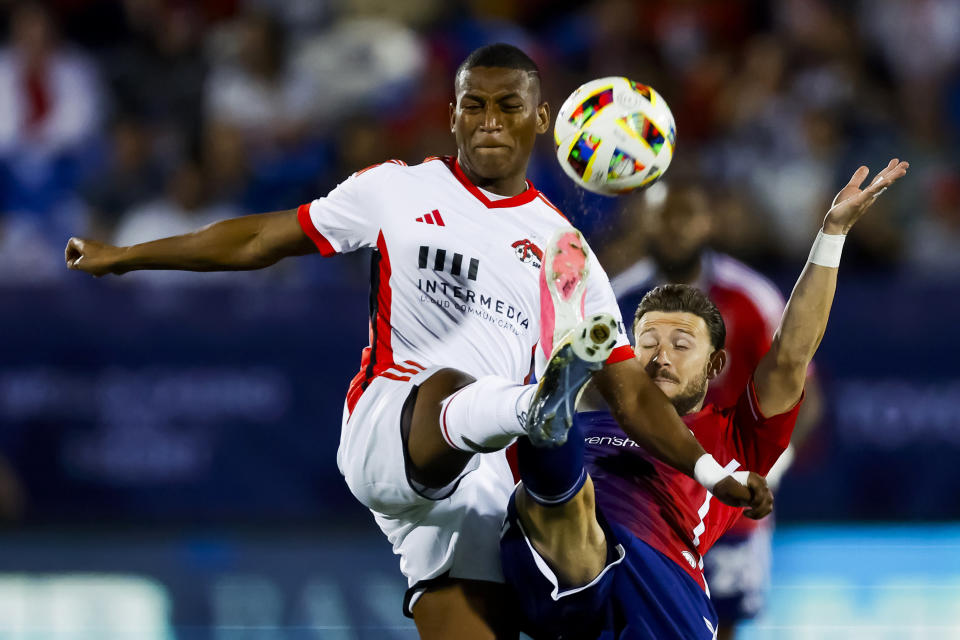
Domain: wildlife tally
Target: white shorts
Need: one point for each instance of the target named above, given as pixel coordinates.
(457, 535)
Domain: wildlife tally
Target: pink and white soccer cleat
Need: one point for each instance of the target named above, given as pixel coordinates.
(576, 347)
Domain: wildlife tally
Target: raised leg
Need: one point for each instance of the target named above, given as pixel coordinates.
(557, 508)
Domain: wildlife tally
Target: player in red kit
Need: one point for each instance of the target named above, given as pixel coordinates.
(607, 541)
(677, 229)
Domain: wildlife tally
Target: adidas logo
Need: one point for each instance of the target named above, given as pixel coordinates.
(432, 218)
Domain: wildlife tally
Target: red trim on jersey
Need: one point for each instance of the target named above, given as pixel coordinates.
(374, 166)
(414, 364)
(378, 357)
(515, 201)
(358, 383)
(393, 376)
(552, 206)
(621, 353)
(382, 333)
(405, 369)
(303, 217)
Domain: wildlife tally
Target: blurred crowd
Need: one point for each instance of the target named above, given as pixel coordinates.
(126, 120)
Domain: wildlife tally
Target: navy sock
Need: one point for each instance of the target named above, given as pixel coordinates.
(553, 475)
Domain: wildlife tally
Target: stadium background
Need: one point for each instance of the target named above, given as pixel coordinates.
(169, 439)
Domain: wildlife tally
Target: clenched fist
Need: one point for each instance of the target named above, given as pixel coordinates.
(755, 495)
(96, 258)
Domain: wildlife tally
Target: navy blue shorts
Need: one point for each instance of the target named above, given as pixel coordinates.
(640, 594)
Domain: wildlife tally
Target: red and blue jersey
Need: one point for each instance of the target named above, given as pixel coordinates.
(751, 306)
(665, 508)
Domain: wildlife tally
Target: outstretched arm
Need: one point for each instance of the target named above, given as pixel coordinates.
(780, 375)
(237, 244)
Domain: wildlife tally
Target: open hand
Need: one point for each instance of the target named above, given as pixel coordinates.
(852, 202)
(95, 258)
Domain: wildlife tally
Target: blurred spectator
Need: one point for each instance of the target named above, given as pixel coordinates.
(260, 105)
(226, 165)
(130, 177)
(50, 109)
(361, 65)
(934, 245)
(49, 93)
(157, 72)
(774, 102)
(299, 18)
(253, 88)
(185, 207)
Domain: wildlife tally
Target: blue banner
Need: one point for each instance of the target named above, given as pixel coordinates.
(220, 402)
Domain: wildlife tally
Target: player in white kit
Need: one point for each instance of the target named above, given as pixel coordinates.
(457, 320)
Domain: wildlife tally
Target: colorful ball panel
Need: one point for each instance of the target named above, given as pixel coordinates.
(614, 135)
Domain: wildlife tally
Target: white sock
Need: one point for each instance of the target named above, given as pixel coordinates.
(486, 415)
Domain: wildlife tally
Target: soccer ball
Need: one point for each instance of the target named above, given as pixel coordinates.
(614, 135)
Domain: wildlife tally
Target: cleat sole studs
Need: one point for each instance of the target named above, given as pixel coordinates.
(599, 333)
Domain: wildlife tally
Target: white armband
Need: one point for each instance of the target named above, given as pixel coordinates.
(708, 471)
(826, 250)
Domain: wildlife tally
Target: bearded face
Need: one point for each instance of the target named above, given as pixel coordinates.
(677, 354)
(688, 396)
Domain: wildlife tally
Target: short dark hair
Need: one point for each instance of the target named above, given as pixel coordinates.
(501, 55)
(684, 298)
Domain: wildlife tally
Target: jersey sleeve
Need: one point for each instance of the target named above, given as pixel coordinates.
(600, 299)
(348, 218)
(759, 440)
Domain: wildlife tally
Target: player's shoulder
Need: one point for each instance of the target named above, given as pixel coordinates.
(395, 172)
(380, 169)
(551, 212)
(731, 276)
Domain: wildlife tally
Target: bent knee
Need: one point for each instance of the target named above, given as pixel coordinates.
(441, 384)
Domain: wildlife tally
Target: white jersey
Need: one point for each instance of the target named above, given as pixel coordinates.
(455, 273)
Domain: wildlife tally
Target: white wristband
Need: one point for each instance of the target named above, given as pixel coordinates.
(708, 471)
(826, 250)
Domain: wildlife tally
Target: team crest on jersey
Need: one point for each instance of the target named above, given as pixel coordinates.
(528, 252)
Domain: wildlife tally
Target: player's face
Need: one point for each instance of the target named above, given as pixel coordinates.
(496, 119)
(675, 350)
(681, 229)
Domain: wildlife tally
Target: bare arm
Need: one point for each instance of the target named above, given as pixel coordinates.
(646, 415)
(780, 375)
(236, 244)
